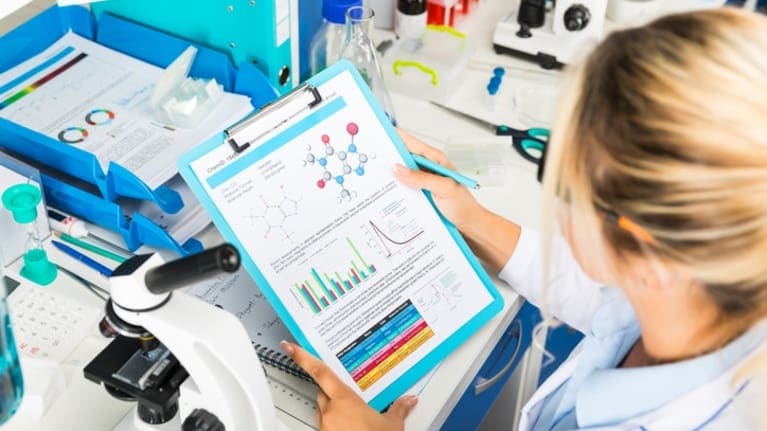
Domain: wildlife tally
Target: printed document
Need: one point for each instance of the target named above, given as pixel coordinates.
(362, 264)
(96, 99)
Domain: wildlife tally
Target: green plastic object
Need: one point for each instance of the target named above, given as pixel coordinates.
(21, 200)
(38, 268)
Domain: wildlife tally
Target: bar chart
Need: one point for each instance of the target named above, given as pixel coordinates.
(322, 288)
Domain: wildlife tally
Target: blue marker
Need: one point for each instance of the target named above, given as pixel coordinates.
(445, 172)
(69, 251)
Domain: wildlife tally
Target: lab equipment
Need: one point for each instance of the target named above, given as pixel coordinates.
(330, 38)
(428, 67)
(12, 246)
(174, 353)
(493, 86)
(529, 143)
(11, 380)
(441, 12)
(384, 10)
(551, 38)
(410, 22)
(361, 52)
(74, 254)
(423, 162)
(22, 201)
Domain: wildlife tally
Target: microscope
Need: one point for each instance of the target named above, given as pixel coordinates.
(551, 33)
(189, 365)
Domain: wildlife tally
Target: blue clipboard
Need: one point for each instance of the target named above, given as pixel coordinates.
(242, 160)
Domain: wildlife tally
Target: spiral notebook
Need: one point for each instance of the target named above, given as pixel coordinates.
(238, 294)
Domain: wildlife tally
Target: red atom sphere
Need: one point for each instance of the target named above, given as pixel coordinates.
(352, 128)
(325, 139)
(321, 184)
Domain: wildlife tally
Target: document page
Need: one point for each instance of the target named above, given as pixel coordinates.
(96, 99)
(363, 265)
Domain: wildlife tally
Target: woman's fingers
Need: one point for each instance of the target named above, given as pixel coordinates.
(325, 378)
(438, 185)
(414, 145)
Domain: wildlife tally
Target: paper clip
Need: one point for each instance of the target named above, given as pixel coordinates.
(240, 135)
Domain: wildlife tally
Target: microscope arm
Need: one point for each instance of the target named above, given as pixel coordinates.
(216, 351)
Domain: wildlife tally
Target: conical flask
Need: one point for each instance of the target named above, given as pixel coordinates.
(359, 50)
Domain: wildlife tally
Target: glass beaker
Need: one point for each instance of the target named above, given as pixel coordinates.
(11, 382)
(359, 50)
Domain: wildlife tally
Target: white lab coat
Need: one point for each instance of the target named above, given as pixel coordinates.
(577, 298)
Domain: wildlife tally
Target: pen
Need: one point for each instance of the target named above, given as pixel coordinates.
(90, 247)
(103, 270)
(76, 228)
(445, 172)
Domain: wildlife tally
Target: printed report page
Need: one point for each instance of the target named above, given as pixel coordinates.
(363, 264)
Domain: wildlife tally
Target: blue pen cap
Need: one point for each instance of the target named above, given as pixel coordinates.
(335, 10)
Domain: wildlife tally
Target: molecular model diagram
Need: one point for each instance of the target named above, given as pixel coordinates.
(345, 159)
(274, 215)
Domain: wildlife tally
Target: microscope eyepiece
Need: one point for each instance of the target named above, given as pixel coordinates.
(190, 269)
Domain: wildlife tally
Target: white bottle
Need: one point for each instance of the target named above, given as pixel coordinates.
(328, 42)
(410, 21)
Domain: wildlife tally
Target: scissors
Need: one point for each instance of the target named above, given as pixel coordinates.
(529, 143)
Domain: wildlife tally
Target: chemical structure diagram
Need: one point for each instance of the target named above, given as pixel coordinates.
(345, 159)
(274, 215)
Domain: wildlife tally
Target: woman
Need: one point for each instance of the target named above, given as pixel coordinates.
(658, 173)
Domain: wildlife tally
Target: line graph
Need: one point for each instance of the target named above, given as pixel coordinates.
(394, 230)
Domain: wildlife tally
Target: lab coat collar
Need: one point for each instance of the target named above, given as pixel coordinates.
(612, 396)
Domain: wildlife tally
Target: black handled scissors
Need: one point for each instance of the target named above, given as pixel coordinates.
(529, 143)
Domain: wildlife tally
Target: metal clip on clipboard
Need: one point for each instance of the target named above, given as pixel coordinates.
(243, 133)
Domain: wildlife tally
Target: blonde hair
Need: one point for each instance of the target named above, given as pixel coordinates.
(665, 125)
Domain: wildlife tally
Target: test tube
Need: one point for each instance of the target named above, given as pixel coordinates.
(492, 92)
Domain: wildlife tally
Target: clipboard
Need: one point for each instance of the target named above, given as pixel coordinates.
(364, 271)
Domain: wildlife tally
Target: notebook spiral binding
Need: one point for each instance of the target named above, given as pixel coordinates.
(280, 361)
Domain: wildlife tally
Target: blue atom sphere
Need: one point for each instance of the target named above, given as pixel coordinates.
(323, 161)
(352, 148)
(360, 171)
(340, 179)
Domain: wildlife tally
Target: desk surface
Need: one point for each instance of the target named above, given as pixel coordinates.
(85, 406)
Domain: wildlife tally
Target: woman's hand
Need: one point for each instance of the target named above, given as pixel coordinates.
(491, 237)
(455, 201)
(340, 408)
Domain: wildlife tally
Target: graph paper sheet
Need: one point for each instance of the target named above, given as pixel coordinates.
(362, 269)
